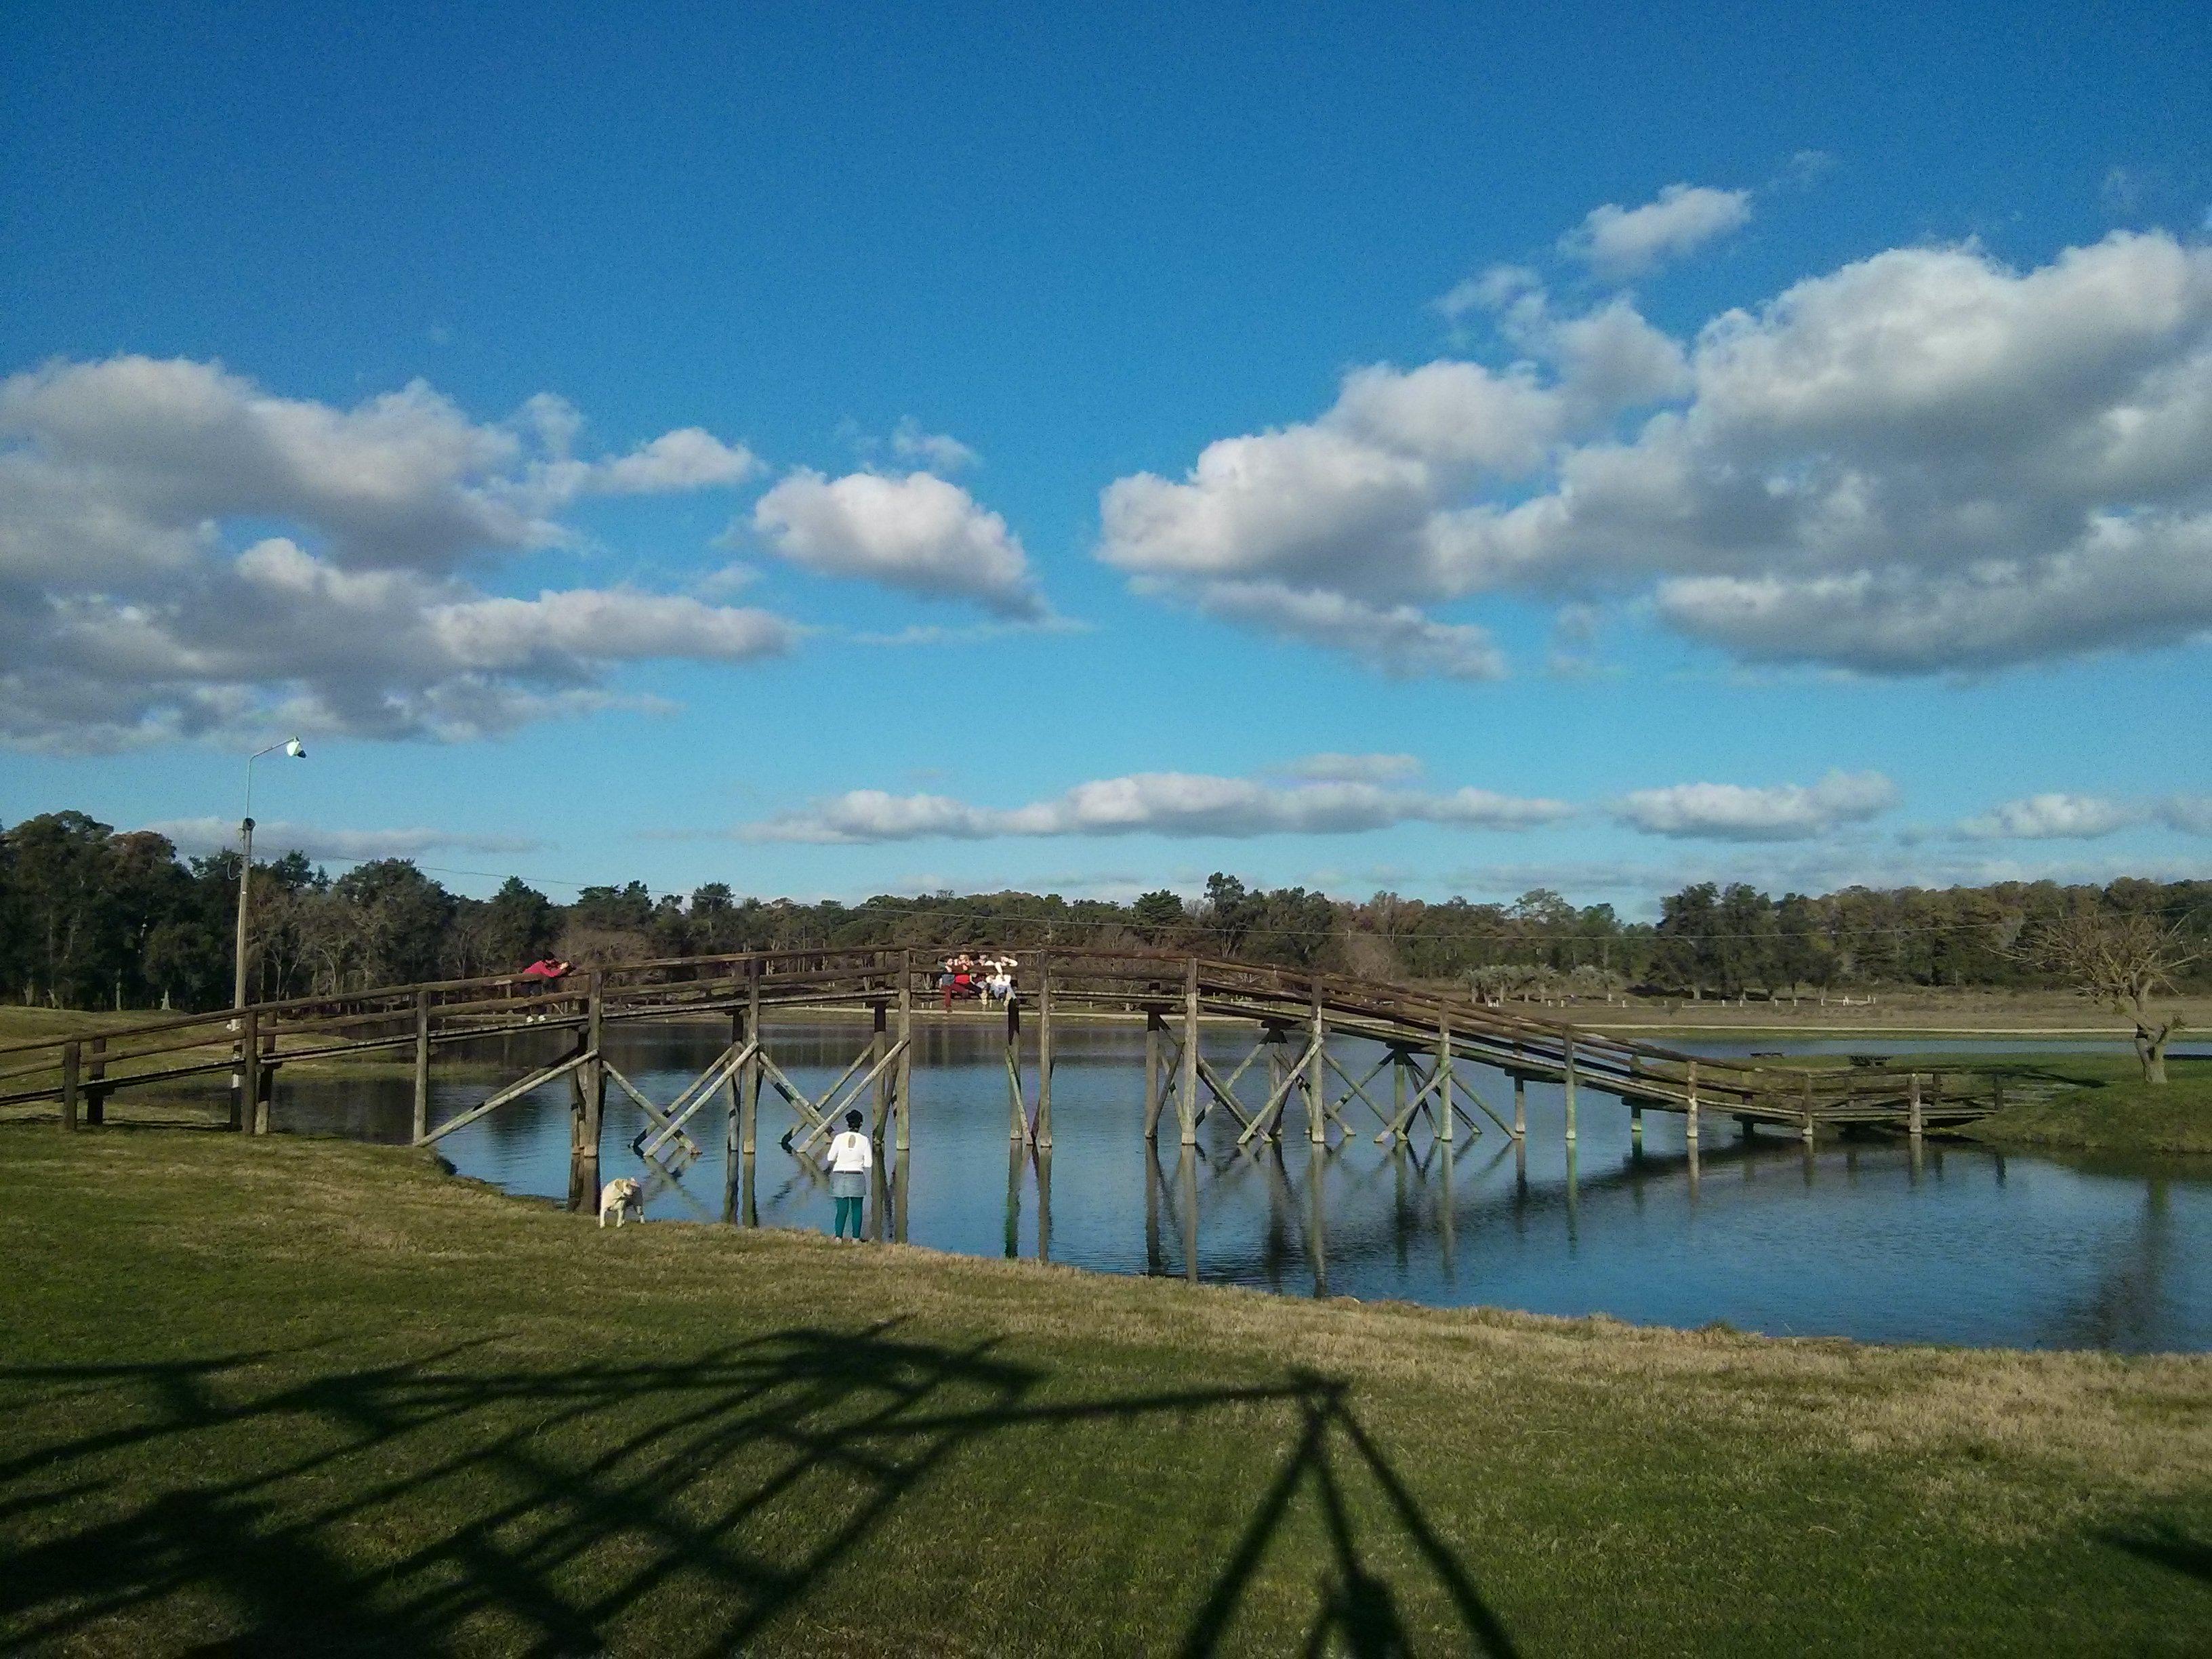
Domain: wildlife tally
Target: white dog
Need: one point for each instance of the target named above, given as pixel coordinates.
(620, 1195)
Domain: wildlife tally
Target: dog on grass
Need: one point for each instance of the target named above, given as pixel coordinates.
(620, 1196)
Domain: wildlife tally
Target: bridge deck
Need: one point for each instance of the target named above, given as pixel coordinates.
(1420, 1024)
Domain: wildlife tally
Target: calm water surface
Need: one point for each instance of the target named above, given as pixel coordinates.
(1861, 1239)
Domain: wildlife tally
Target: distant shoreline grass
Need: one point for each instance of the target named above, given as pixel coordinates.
(289, 1395)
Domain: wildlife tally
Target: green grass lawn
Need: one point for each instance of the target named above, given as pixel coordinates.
(306, 1396)
(2102, 1104)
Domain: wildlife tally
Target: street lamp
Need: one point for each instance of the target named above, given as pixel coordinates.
(297, 751)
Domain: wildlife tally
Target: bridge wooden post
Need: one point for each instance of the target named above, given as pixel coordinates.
(905, 1067)
(1044, 1054)
(879, 1044)
(1186, 1185)
(1567, 1074)
(1018, 1126)
(1805, 1117)
(96, 1071)
(732, 1097)
(1913, 1124)
(1690, 1111)
(1520, 1107)
(733, 1110)
(1186, 1084)
(1317, 1074)
(421, 1064)
(750, 1074)
(255, 1120)
(1155, 1028)
(587, 1105)
(1445, 1111)
(1277, 1066)
(239, 1120)
(71, 1060)
(264, 1082)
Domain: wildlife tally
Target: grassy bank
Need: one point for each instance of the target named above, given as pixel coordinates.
(295, 1395)
(2102, 1104)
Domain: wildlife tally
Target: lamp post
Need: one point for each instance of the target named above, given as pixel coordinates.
(297, 751)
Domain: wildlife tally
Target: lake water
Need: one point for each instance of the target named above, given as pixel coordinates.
(1863, 1239)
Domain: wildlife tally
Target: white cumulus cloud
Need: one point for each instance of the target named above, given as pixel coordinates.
(2060, 817)
(938, 451)
(1179, 804)
(129, 612)
(1925, 462)
(1732, 811)
(1617, 242)
(917, 532)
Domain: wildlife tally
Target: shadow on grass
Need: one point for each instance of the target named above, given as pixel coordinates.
(2169, 1546)
(441, 1501)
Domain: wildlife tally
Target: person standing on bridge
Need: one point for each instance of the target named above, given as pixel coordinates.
(850, 1158)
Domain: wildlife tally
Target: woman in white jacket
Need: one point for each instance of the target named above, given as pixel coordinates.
(849, 1161)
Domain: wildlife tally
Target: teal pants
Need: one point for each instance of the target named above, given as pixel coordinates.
(849, 1209)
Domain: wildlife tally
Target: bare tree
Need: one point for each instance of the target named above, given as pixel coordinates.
(2127, 957)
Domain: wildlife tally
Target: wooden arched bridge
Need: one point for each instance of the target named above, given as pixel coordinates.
(1437, 1046)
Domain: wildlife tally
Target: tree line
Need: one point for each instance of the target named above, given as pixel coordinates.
(90, 917)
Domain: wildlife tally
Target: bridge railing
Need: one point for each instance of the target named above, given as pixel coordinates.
(441, 1011)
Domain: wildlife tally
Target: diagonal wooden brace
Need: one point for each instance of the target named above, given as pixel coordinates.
(537, 1080)
(1483, 1105)
(792, 1092)
(1223, 1091)
(1396, 1129)
(891, 1056)
(701, 1092)
(1360, 1085)
(659, 1118)
(1263, 1120)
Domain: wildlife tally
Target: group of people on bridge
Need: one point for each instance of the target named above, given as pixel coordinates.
(990, 978)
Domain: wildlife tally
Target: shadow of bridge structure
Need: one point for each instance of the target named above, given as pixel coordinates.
(692, 1506)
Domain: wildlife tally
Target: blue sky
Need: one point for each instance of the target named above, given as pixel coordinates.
(838, 451)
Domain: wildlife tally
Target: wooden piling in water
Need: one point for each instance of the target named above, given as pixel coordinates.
(1567, 1076)
(1316, 1074)
(734, 1105)
(1913, 1124)
(1444, 1113)
(587, 1105)
(1520, 1107)
(1690, 1112)
(905, 1072)
(1186, 1084)
(750, 1074)
(1044, 1054)
(1155, 1028)
(879, 1044)
(1019, 1118)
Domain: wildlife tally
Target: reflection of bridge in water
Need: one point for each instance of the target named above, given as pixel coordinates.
(1305, 1236)
(1438, 1051)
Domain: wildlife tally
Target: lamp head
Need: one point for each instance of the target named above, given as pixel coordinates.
(297, 749)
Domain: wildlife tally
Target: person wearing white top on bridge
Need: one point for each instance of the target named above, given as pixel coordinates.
(849, 1161)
